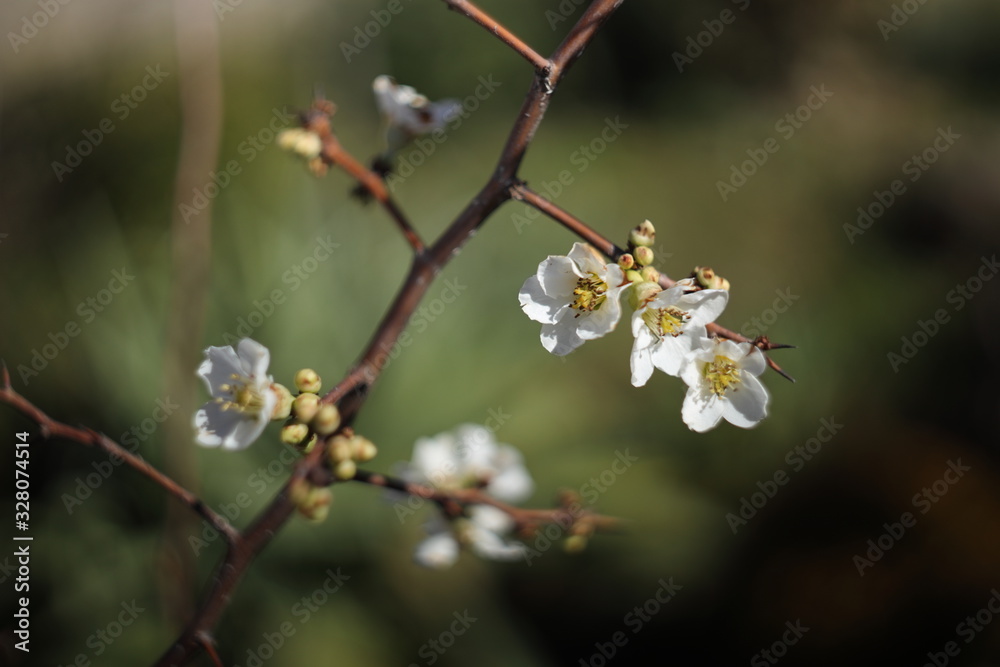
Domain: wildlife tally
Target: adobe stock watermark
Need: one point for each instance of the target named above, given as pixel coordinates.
(258, 482)
(580, 159)
(248, 149)
(85, 486)
(564, 10)
(422, 318)
(914, 168)
(589, 492)
(957, 297)
(923, 501)
(635, 620)
(409, 505)
(796, 458)
(779, 649)
(696, 44)
(363, 35)
(424, 147)
(103, 638)
(302, 611)
(30, 25)
(88, 310)
(968, 629)
(898, 17)
(758, 326)
(432, 650)
(295, 276)
(785, 127)
(122, 107)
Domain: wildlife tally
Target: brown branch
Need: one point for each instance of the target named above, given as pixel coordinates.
(524, 518)
(317, 120)
(540, 63)
(85, 436)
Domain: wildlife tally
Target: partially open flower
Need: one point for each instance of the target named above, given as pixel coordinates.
(243, 401)
(407, 113)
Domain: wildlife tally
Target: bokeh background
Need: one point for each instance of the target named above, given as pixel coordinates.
(851, 300)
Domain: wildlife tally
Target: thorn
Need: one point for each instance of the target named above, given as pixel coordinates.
(5, 375)
(782, 373)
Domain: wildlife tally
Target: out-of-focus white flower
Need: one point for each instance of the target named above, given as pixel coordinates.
(407, 113)
(466, 457)
(669, 326)
(575, 297)
(722, 384)
(484, 532)
(242, 399)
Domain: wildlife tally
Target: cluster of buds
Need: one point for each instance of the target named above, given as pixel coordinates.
(346, 450)
(708, 279)
(311, 418)
(313, 502)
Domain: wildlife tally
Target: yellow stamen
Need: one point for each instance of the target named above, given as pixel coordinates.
(590, 294)
(722, 373)
(667, 321)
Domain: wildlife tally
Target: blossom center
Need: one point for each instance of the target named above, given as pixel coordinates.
(244, 397)
(722, 373)
(590, 293)
(667, 321)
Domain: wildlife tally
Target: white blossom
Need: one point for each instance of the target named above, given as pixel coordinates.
(407, 113)
(669, 326)
(575, 297)
(722, 384)
(242, 399)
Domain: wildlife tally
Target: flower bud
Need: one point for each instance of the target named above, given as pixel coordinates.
(363, 449)
(345, 470)
(633, 276)
(574, 544)
(650, 274)
(308, 380)
(301, 142)
(294, 433)
(317, 504)
(641, 293)
(642, 235)
(708, 279)
(283, 407)
(305, 406)
(644, 256)
(327, 419)
(626, 261)
(340, 449)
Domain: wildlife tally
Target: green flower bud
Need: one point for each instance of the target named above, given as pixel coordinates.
(308, 380)
(327, 420)
(574, 544)
(283, 407)
(626, 261)
(650, 274)
(345, 470)
(301, 142)
(363, 449)
(644, 256)
(340, 449)
(708, 279)
(641, 293)
(294, 434)
(305, 406)
(642, 235)
(633, 276)
(317, 505)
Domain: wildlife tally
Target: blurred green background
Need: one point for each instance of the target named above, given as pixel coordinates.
(850, 300)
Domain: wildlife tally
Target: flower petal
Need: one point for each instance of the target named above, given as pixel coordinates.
(437, 552)
(747, 403)
(255, 358)
(702, 410)
(218, 368)
(560, 338)
(227, 428)
(538, 305)
(558, 276)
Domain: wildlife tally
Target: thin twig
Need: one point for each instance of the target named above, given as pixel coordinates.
(540, 63)
(317, 120)
(85, 436)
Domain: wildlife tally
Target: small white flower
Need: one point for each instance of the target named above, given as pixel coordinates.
(722, 383)
(483, 532)
(468, 457)
(669, 326)
(407, 113)
(242, 400)
(575, 297)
